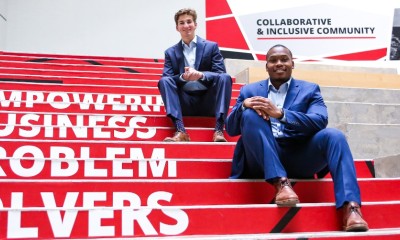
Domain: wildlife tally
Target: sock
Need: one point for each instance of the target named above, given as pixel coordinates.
(219, 125)
(179, 125)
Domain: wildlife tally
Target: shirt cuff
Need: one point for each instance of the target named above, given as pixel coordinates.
(283, 118)
(203, 77)
(243, 107)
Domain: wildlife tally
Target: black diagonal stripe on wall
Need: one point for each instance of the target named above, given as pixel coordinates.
(30, 80)
(40, 60)
(130, 70)
(93, 62)
(285, 220)
(237, 55)
(371, 167)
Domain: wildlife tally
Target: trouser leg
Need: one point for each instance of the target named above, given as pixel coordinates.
(328, 147)
(223, 93)
(261, 148)
(170, 95)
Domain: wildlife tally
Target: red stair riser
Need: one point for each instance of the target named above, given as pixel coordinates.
(102, 132)
(51, 119)
(366, 236)
(79, 65)
(7, 87)
(181, 220)
(136, 169)
(82, 69)
(84, 81)
(61, 102)
(149, 169)
(70, 108)
(81, 74)
(85, 62)
(63, 99)
(62, 108)
(40, 87)
(36, 56)
(100, 149)
(214, 192)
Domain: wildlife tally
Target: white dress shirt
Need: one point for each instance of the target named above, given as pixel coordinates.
(278, 96)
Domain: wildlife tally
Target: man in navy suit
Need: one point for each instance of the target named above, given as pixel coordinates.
(194, 80)
(282, 122)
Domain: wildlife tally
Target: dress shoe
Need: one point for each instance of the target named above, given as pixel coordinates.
(219, 136)
(352, 218)
(285, 196)
(178, 137)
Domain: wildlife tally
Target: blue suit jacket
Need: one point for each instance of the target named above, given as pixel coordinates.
(208, 60)
(305, 113)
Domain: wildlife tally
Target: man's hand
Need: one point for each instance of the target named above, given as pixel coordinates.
(191, 74)
(263, 106)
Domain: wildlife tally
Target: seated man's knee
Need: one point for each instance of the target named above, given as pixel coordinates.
(333, 134)
(165, 81)
(224, 77)
(250, 116)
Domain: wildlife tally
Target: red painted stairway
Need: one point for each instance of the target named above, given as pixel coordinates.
(82, 157)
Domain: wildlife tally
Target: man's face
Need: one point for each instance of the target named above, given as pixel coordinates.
(186, 26)
(279, 64)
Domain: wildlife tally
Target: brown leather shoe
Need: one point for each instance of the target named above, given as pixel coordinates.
(352, 218)
(178, 137)
(219, 136)
(285, 196)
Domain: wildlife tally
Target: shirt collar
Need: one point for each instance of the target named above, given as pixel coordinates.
(284, 87)
(194, 41)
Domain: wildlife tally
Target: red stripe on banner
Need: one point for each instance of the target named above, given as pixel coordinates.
(311, 38)
(359, 56)
(216, 31)
(217, 8)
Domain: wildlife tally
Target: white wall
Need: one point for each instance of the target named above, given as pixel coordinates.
(3, 18)
(130, 28)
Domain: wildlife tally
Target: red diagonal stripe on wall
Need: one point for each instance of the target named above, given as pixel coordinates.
(216, 31)
(359, 56)
(217, 8)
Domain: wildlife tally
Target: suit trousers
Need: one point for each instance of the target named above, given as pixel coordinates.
(214, 101)
(270, 158)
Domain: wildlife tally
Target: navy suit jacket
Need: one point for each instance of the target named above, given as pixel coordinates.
(208, 60)
(305, 113)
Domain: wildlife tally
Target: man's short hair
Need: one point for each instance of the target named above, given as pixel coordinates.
(278, 45)
(188, 11)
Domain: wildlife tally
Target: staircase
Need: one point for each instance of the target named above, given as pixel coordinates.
(83, 158)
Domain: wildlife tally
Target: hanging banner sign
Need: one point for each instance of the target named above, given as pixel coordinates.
(313, 31)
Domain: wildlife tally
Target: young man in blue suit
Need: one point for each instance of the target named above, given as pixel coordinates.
(194, 80)
(282, 122)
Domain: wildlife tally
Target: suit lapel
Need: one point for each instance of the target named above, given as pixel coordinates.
(199, 52)
(291, 95)
(179, 57)
(262, 89)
